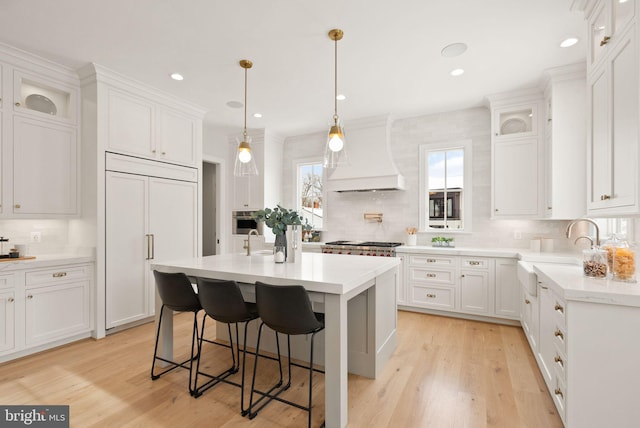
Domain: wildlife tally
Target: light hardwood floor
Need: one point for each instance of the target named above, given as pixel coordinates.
(446, 372)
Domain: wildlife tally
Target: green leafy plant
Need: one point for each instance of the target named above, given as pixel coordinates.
(278, 218)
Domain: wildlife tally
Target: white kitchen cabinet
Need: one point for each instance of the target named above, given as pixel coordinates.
(517, 184)
(613, 133)
(147, 218)
(45, 168)
(39, 146)
(402, 288)
(475, 291)
(507, 289)
(530, 319)
(480, 286)
(546, 350)
(607, 21)
(139, 126)
(7, 319)
(57, 303)
(565, 142)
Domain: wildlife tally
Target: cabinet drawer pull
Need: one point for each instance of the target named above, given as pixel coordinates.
(559, 334)
(153, 151)
(30, 296)
(431, 275)
(605, 197)
(527, 301)
(431, 260)
(605, 40)
(17, 104)
(472, 263)
(462, 276)
(558, 391)
(431, 295)
(559, 308)
(558, 360)
(10, 299)
(17, 206)
(59, 274)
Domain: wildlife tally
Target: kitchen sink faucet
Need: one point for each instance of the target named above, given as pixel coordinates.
(247, 242)
(588, 220)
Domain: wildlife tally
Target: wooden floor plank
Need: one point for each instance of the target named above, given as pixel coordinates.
(445, 372)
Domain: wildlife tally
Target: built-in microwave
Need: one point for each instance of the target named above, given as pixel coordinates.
(243, 222)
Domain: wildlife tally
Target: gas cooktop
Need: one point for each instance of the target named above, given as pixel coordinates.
(365, 243)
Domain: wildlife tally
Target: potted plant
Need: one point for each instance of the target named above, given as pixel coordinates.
(278, 219)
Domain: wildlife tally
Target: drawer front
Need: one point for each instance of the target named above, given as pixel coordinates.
(58, 274)
(432, 276)
(560, 338)
(559, 394)
(7, 280)
(433, 297)
(475, 263)
(560, 365)
(427, 260)
(560, 312)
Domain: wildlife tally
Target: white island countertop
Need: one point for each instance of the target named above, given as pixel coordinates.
(324, 273)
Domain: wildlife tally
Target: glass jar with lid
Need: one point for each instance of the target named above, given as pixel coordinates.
(621, 258)
(594, 263)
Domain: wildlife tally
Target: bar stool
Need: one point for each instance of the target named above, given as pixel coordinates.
(177, 294)
(287, 310)
(223, 302)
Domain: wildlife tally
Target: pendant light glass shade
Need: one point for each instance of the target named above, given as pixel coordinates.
(245, 161)
(335, 150)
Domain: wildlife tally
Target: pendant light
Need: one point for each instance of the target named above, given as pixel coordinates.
(335, 151)
(245, 161)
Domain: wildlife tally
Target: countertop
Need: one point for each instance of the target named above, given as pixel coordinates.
(324, 273)
(45, 261)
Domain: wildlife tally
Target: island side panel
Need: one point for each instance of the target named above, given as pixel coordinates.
(386, 318)
(335, 355)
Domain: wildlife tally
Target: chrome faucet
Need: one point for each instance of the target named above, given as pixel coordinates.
(588, 220)
(247, 241)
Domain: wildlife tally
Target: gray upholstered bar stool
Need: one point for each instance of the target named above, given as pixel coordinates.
(286, 309)
(223, 302)
(177, 294)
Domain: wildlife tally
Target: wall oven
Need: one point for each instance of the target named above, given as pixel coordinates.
(243, 222)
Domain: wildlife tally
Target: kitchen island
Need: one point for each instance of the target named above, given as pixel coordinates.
(357, 295)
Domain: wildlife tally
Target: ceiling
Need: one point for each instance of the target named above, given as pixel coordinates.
(389, 60)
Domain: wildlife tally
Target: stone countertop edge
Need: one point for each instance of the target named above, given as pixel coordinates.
(45, 261)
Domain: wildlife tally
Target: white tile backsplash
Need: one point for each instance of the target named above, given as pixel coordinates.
(54, 234)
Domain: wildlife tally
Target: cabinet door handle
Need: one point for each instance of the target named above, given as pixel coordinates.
(17, 104)
(59, 274)
(431, 260)
(559, 308)
(558, 391)
(431, 275)
(527, 301)
(559, 334)
(605, 40)
(148, 246)
(10, 299)
(431, 296)
(605, 197)
(153, 246)
(153, 151)
(30, 296)
(558, 360)
(164, 153)
(473, 263)
(462, 276)
(17, 206)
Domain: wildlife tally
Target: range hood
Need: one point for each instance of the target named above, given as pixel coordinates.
(370, 166)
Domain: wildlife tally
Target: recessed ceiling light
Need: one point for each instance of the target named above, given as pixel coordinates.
(454, 49)
(258, 115)
(457, 72)
(568, 42)
(341, 97)
(177, 76)
(235, 104)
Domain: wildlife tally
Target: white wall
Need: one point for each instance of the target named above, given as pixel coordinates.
(344, 211)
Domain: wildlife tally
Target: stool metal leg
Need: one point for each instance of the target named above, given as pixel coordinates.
(213, 379)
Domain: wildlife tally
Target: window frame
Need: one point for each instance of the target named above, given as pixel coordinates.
(467, 215)
(297, 163)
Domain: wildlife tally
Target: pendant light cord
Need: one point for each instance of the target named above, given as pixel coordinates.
(335, 80)
(244, 131)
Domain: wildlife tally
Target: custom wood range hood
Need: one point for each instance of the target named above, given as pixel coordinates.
(370, 165)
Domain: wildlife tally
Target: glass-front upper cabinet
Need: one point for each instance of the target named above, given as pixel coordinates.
(515, 121)
(623, 11)
(609, 19)
(44, 98)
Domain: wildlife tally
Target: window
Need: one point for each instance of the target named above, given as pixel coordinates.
(445, 186)
(310, 196)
